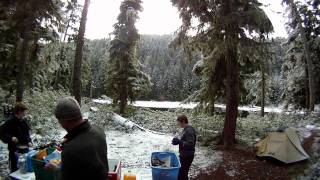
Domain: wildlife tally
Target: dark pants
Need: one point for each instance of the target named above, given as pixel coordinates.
(13, 161)
(186, 162)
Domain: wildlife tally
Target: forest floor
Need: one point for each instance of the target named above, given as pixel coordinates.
(242, 163)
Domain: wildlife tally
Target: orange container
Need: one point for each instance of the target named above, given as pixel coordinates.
(41, 154)
(129, 176)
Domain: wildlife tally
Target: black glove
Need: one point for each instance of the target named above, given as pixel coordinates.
(176, 141)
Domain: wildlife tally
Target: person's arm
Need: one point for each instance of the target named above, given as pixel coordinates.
(189, 139)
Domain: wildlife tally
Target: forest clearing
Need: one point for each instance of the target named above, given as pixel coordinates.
(168, 90)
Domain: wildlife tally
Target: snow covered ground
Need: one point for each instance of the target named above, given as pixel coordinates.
(134, 150)
(176, 105)
(4, 165)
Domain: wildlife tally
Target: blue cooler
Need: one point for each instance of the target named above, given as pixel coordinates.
(165, 173)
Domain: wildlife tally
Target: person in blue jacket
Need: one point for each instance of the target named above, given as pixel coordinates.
(187, 145)
(15, 132)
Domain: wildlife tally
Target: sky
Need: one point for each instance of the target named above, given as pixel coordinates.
(159, 17)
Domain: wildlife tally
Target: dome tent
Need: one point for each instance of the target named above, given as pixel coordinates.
(284, 146)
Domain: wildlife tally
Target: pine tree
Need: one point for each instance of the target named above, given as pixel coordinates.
(26, 23)
(125, 80)
(221, 37)
(304, 22)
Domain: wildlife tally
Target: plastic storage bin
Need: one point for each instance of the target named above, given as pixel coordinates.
(166, 173)
(29, 155)
(39, 168)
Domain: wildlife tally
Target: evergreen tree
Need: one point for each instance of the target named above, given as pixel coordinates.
(71, 18)
(26, 22)
(304, 22)
(125, 80)
(221, 37)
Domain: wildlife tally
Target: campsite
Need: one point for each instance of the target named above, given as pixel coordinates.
(159, 90)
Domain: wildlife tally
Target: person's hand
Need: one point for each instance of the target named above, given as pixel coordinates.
(175, 141)
(30, 144)
(15, 140)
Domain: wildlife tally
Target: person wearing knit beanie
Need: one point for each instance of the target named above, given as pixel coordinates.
(68, 109)
(84, 150)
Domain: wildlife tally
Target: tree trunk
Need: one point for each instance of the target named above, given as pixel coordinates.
(263, 88)
(79, 53)
(91, 90)
(123, 94)
(229, 129)
(22, 62)
(311, 80)
(211, 106)
(306, 84)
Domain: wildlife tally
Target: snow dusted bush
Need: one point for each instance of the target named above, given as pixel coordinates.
(45, 127)
(249, 129)
(2, 100)
(255, 127)
(159, 121)
(102, 117)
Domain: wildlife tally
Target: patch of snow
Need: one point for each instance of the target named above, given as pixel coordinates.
(102, 101)
(231, 173)
(164, 104)
(86, 115)
(311, 127)
(317, 108)
(4, 156)
(94, 109)
(134, 150)
(123, 121)
(177, 105)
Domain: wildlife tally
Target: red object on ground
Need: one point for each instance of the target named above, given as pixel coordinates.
(114, 169)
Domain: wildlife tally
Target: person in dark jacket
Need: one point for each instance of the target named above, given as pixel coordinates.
(15, 132)
(187, 145)
(84, 151)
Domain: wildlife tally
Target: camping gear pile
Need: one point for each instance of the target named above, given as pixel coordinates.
(35, 161)
(284, 145)
(41, 159)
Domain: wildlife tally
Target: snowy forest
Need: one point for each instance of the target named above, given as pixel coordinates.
(223, 68)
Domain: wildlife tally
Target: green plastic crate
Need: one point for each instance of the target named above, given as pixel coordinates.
(40, 171)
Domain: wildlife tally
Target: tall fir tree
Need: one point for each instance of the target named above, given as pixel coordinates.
(125, 80)
(221, 36)
(304, 24)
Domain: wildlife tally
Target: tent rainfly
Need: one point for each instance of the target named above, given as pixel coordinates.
(284, 146)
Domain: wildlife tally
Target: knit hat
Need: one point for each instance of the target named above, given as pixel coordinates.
(67, 109)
